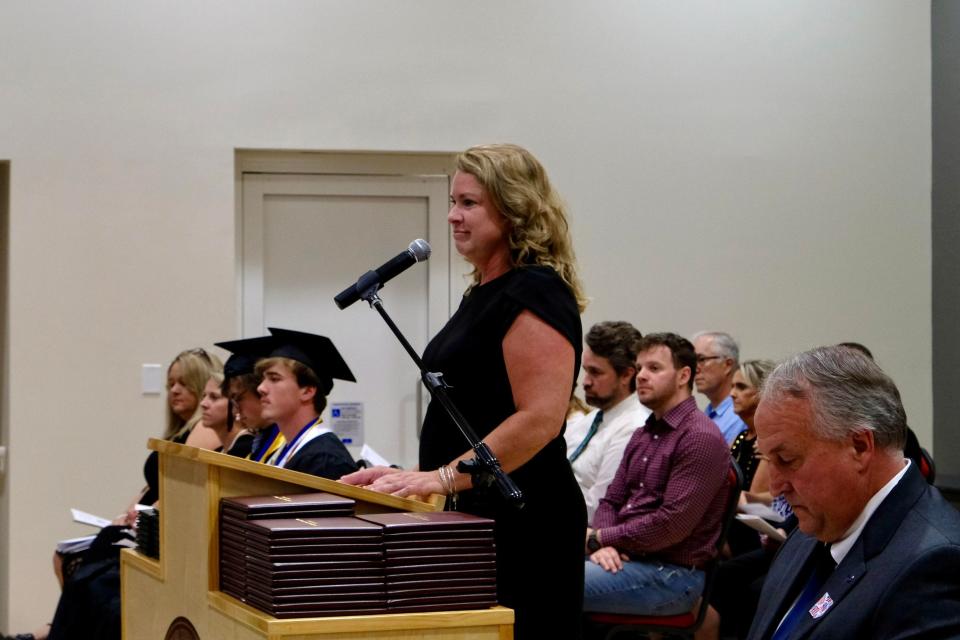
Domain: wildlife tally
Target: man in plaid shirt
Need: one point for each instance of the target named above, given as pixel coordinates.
(659, 521)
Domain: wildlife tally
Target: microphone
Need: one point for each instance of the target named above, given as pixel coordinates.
(418, 251)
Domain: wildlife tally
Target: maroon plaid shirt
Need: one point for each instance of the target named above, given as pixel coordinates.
(667, 499)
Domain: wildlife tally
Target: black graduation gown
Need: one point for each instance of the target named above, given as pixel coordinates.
(324, 456)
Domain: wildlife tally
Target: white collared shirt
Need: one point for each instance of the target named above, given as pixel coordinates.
(598, 464)
(841, 547)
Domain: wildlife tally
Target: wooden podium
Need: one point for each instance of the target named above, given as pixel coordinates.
(178, 596)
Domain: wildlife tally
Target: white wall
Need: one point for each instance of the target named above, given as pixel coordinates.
(760, 167)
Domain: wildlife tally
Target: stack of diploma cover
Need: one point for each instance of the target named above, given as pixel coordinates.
(313, 567)
(148, 532)
(271, 546)
(440, 561)
(304, 555)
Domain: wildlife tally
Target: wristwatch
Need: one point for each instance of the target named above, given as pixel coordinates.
(592, 543)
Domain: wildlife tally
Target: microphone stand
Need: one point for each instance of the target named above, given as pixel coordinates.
(484, 469)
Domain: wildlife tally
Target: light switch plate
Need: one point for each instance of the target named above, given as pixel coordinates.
(151, 379)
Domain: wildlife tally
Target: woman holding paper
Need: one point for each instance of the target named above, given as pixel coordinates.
(747, 381)
(186, 377)
(746, 396)
(734, 597)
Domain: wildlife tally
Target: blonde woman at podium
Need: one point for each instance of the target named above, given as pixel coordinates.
(510, 354)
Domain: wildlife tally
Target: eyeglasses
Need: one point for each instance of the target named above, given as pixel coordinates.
(702, 359)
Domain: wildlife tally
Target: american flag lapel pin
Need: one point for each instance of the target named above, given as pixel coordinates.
(821, 607)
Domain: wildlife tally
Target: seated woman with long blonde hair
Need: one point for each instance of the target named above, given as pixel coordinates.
(89, 605)
(186, 378)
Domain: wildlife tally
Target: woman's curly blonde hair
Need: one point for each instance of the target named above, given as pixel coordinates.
(518, 186)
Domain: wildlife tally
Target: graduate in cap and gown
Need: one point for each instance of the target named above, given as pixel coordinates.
(296, 375)
(240, 383)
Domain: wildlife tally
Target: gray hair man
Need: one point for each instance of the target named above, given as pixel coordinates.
(718, 358)
(877, 553)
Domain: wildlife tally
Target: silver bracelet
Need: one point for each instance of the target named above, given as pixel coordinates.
(448, 481)
(443, 486)
(444, 473)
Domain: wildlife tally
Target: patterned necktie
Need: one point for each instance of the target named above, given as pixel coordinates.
(586, 439)
(823, 566)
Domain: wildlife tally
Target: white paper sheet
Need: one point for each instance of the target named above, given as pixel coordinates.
(761, 511)
(374, 458)
(761, 525)
(88, 518)
(75, 545)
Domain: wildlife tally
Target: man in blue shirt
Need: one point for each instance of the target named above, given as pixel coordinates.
(718, 357)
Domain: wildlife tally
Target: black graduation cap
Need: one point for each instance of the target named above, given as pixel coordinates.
(245, 352)
(316, 352)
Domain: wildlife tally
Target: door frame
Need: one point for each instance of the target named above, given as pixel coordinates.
(258, 187)
(343, 163)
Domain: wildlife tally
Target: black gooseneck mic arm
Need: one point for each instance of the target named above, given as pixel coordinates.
(484, 469)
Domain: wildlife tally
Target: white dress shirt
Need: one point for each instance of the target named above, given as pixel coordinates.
(598, 463)
(841, 548)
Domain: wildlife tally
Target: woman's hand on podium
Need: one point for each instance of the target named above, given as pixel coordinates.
(408, 483)
(366, 477)
(396, 481)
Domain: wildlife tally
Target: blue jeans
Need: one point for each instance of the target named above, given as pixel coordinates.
(642, 588)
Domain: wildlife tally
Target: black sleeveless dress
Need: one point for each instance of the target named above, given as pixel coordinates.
(540, 547)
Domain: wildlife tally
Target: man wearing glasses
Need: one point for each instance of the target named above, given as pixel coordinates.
(718, 357)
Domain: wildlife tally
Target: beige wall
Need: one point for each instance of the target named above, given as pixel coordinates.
(759, 167)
